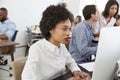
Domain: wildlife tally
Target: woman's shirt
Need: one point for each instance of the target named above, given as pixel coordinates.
(46, 61)
(97, 26)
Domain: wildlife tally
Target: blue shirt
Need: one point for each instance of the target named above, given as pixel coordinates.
(80, 45)
(7, 27)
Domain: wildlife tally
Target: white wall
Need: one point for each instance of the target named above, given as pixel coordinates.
(73, 6)
(119, 5)
(25, 13)
(29, 12)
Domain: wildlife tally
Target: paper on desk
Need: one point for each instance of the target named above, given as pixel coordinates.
(89, 66)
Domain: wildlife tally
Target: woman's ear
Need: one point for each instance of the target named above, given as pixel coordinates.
(51, 31)
(92, 15)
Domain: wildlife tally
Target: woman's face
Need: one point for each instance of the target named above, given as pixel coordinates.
(61, 33)
(113, 10)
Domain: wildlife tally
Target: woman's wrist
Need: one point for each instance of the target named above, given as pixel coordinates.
(76, 73)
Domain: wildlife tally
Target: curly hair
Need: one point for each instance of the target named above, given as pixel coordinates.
(52, 16)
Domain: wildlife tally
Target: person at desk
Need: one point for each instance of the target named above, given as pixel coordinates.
(7, 29)
(81, 47)
(50, 56)
(106, 19)
(117, 23)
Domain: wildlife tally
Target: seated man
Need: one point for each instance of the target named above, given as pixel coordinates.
(7, 29)
(81, 46)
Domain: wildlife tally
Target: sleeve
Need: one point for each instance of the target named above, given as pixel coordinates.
(70, 62)
(95, 27)
(11, 30)
(31, 66)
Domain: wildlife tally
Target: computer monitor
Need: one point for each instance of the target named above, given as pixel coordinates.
(108, 53)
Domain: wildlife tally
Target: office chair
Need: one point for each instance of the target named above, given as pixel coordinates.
(14, 36)
(8, 70)
(18, 66)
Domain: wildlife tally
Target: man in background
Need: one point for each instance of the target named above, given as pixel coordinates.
(7, 30)
(80, 46)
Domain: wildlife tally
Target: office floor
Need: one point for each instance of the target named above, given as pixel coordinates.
(20, 52)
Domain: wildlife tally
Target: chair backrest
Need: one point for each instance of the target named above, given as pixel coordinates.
(18, 66)
(14, 36)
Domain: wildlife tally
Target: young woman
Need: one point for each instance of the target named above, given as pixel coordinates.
(49, 57)
(106, 18)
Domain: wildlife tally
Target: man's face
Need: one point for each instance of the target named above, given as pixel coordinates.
(2, 15)
(96, 15)
(61, 33)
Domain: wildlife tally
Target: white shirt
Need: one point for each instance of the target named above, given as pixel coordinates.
(97, 26)
(46, 61)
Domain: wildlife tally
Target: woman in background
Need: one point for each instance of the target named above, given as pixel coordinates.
(106, 19)
(77, 20)
(117, 23)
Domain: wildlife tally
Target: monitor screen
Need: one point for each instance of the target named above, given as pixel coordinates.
(108, 53)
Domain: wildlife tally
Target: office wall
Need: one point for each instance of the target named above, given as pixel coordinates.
(25, 13)
(119, 5)
(29, 12)
(73, 6)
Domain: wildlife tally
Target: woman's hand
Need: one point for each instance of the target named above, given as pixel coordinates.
(84, 76)
(79, 75)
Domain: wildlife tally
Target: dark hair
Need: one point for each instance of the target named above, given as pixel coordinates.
(4, 10)
(52, 16)
(88, 10)
(79, 20)
(117, 17)
(107, 7)
(79, 17)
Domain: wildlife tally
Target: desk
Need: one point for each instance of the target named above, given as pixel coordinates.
(89, 66)
(11, 44)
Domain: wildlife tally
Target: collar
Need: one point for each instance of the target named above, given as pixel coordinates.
(87, 25)
(3, 20)
(6, 20)
(51, 46)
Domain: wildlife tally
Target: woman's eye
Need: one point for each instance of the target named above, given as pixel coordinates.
(64, 29)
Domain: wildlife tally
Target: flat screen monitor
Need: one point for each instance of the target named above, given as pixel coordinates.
(108, 53)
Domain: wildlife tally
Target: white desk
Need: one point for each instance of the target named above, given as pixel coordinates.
(89, 66)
